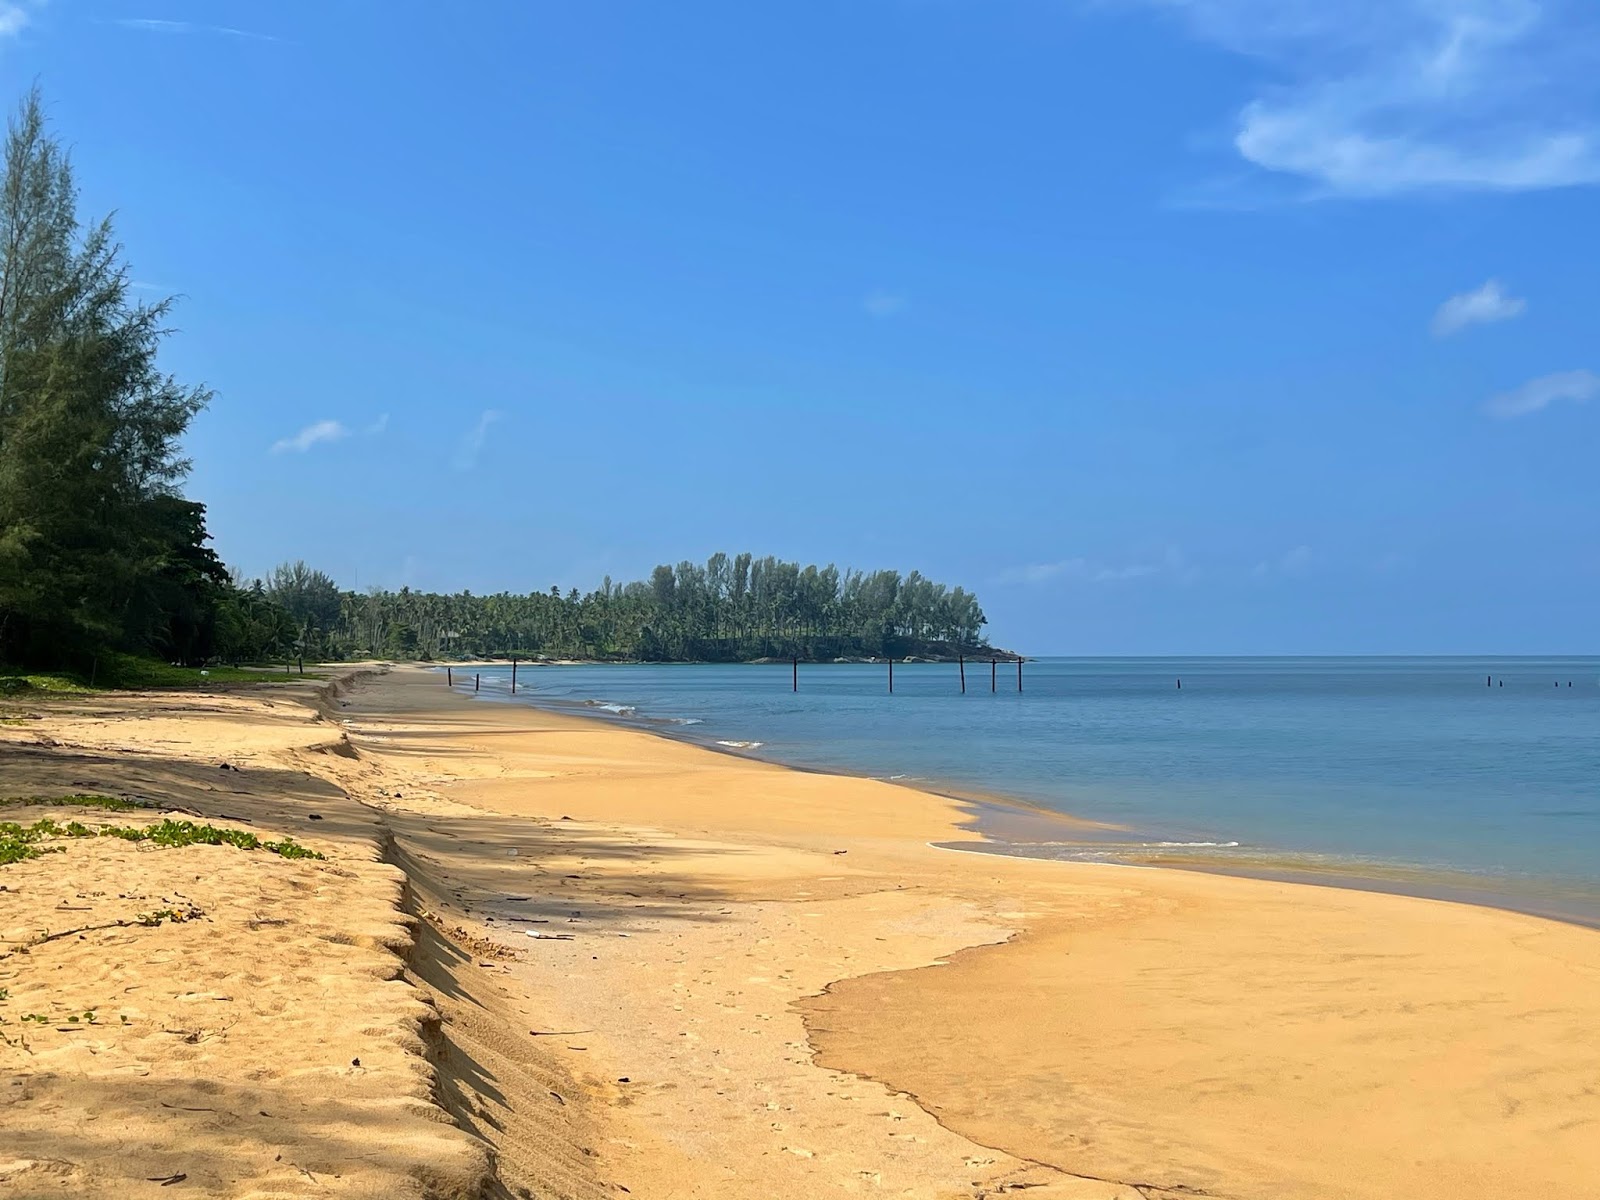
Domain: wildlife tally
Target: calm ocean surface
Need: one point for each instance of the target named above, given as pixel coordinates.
(1388, 768)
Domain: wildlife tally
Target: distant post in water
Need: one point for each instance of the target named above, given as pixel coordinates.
(1019, 673)
(993, 676)
(1487, 679)
(449, 678)
(476, 680)
(891, 674)
(796, 665)
(513, 676)
(962, 663)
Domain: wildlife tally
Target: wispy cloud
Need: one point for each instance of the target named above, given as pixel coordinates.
(1574, 387)
(1380, 97)
(466, 456)
(883, 304)
(156, 25)
(13, 18)
(1292, 563)
(1172, 564)
(311, 435)
(378, 426)
(1481, 306)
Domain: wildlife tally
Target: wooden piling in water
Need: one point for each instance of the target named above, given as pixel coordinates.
(513, 676)
(994, 672)
(962, 663)
(1019, 674)
(796, 673)
(891, 674)
(449, 678)
(476, 680)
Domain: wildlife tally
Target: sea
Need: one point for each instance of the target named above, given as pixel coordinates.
(1472, 779)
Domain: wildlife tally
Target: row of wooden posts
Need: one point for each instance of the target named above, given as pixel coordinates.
(477, 679)
(961, 665)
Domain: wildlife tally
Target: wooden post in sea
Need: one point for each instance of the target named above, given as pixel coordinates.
(476, 680)
(962, 663)
(796, 665)
(993, 676)
(513, 675)
(449, 678)
(891, 674)
(1019, 673)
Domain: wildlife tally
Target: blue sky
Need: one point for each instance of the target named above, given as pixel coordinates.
(1213, 326)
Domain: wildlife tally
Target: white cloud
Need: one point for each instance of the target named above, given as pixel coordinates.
(311, 435)
(13, 19)
(1482, 306)
(1084, 570)
(1576, 387)
(377, 426)
(883, 304)
(471, 446)
(157, 25)
(1379, 97)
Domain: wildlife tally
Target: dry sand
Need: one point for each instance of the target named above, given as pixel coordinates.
(750, 982)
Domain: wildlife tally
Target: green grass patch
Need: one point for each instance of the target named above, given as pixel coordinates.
(80, 800)
(127, 672)
(13, 684)
(19, 842)
(187, 833)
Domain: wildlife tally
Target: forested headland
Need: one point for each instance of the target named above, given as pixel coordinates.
(731, 609)
(103, 558)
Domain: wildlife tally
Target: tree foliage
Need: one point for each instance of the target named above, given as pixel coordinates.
(730, 609)
(97, 549)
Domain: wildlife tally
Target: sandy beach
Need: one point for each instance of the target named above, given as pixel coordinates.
(547, 956)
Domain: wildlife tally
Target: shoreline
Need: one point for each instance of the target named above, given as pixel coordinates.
(992, 812)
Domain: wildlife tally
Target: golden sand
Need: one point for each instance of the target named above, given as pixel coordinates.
(747, 982)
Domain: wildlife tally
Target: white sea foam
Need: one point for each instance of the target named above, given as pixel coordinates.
(742, 745)
(1218, 845)
(685, 721)
(621, 710)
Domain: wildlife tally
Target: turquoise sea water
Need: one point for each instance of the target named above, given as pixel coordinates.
(1388, 768)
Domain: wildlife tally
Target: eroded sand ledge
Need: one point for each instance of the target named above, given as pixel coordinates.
(748, 1001)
